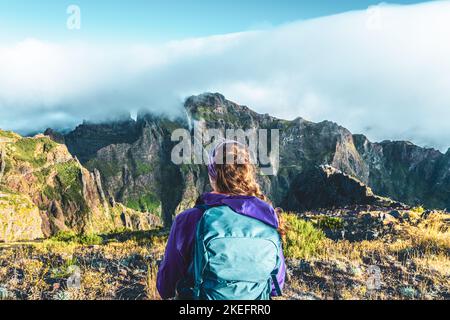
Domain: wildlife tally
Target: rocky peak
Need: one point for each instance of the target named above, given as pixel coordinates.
(134, 158)
(206, 99)
(55, 135)
(88, 137)
(218, 112)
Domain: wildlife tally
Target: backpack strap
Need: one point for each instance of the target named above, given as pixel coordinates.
(275, 283)
(202, 207)
(274, 275)
(198, 281)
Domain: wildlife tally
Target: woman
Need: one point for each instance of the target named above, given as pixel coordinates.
(227, 247)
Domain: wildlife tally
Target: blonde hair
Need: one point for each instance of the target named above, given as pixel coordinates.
(236, 177)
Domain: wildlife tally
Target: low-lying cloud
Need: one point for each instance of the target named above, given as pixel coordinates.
(384, 72)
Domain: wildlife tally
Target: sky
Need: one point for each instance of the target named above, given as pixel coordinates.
(159, 20)
(377, 69)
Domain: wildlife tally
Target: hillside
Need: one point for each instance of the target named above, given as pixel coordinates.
(133, 158)
(330, 255)
(45, 190)
(93, 199)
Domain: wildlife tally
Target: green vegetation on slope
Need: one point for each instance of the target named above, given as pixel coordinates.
(143, 168)
(106, 168)
(27, 150)
(68, 188)
(8, 134)
(146, 203)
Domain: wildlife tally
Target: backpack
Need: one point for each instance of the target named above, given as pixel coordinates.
(235, 257)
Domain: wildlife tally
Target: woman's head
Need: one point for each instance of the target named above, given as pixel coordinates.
(231, 170)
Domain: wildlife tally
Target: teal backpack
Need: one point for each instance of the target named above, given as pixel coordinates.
(235, 257)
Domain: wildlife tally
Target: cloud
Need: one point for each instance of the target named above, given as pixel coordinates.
(383, 72)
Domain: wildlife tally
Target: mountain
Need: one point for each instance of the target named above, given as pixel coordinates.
(328, 187)
(45, 190)
(133, 159)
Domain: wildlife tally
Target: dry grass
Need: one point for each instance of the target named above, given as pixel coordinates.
(414, 264)
(113, 270)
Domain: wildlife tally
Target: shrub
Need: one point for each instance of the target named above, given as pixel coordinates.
(332, 223)
(85, 239)
(418, 210)
(64, 236)
(301, 239)
(143, 168)
(90, 239)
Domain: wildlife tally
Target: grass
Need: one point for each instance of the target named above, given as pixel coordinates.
(414, 264)
(333, 223)
(8, 134)
(33, 150)
(110, 270)
(83, 239)
(418, 210)
(301, 238)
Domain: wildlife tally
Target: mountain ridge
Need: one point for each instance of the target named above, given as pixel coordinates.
(395, 169)
(122, 176)
(44, 190)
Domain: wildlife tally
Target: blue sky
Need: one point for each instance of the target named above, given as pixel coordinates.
(159, 20)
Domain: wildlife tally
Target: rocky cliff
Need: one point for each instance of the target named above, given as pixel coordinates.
(396, 169)
(406, 172)
(44, 190)
(329, 188)
(133, 158)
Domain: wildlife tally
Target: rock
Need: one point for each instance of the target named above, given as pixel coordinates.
(367, 218)
(54, 135)
(396, 214)
(387, 218)
(123, 272)
(49, 191)
(372, 235)
(321, 165)
(2, 163)
(4, 293)
(19, 218)
(327, 187)
(304, 296)
(426, 214)
(406, 216)
(340, 266)
(408, 292)
(112, 202)
(355, 270)
(62, 295)
(305, 266)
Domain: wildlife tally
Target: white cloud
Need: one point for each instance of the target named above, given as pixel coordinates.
(384, 72)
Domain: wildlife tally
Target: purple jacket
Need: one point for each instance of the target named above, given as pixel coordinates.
(179, 250)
